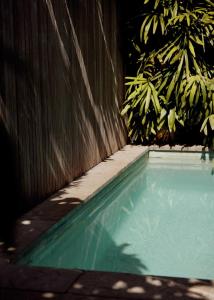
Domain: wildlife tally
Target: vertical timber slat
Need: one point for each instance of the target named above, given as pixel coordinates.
(62, 88)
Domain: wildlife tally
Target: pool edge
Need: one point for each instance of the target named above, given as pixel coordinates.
(74, 283)
(31, 226)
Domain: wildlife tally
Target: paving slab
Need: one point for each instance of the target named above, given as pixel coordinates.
(181, 148)
(56, 209)
(83, 188)
(84, 297)
(96, 178)
(37, 278)
(4, 261)
(13, 294)
(26, 232)
(129, 286)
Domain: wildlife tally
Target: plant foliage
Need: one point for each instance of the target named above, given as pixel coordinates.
(173, 85)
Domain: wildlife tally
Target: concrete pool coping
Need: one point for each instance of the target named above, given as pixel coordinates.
(20, 282)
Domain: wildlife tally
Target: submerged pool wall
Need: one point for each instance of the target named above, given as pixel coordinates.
(61, 91)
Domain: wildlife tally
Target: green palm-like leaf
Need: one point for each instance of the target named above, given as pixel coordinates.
(171, 120)
(173, 87)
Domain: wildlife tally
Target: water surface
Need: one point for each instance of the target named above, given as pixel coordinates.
(158, 219)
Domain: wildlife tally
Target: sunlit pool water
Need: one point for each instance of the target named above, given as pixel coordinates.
(156, 218)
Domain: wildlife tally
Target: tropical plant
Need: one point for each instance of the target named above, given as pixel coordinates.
(173, 85)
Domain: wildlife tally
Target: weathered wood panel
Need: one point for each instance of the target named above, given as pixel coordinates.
(61, 89)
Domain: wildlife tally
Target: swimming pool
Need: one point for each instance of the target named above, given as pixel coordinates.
(156, 218)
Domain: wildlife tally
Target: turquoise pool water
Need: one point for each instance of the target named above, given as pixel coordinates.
(156, 218)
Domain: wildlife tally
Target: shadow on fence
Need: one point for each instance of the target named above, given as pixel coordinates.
(10, 198)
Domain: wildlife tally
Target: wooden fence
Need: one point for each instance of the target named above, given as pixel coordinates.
(61, 87)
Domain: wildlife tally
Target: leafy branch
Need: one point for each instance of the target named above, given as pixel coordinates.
(173, 86)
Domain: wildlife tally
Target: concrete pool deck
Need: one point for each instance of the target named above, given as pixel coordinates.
(20, 282)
